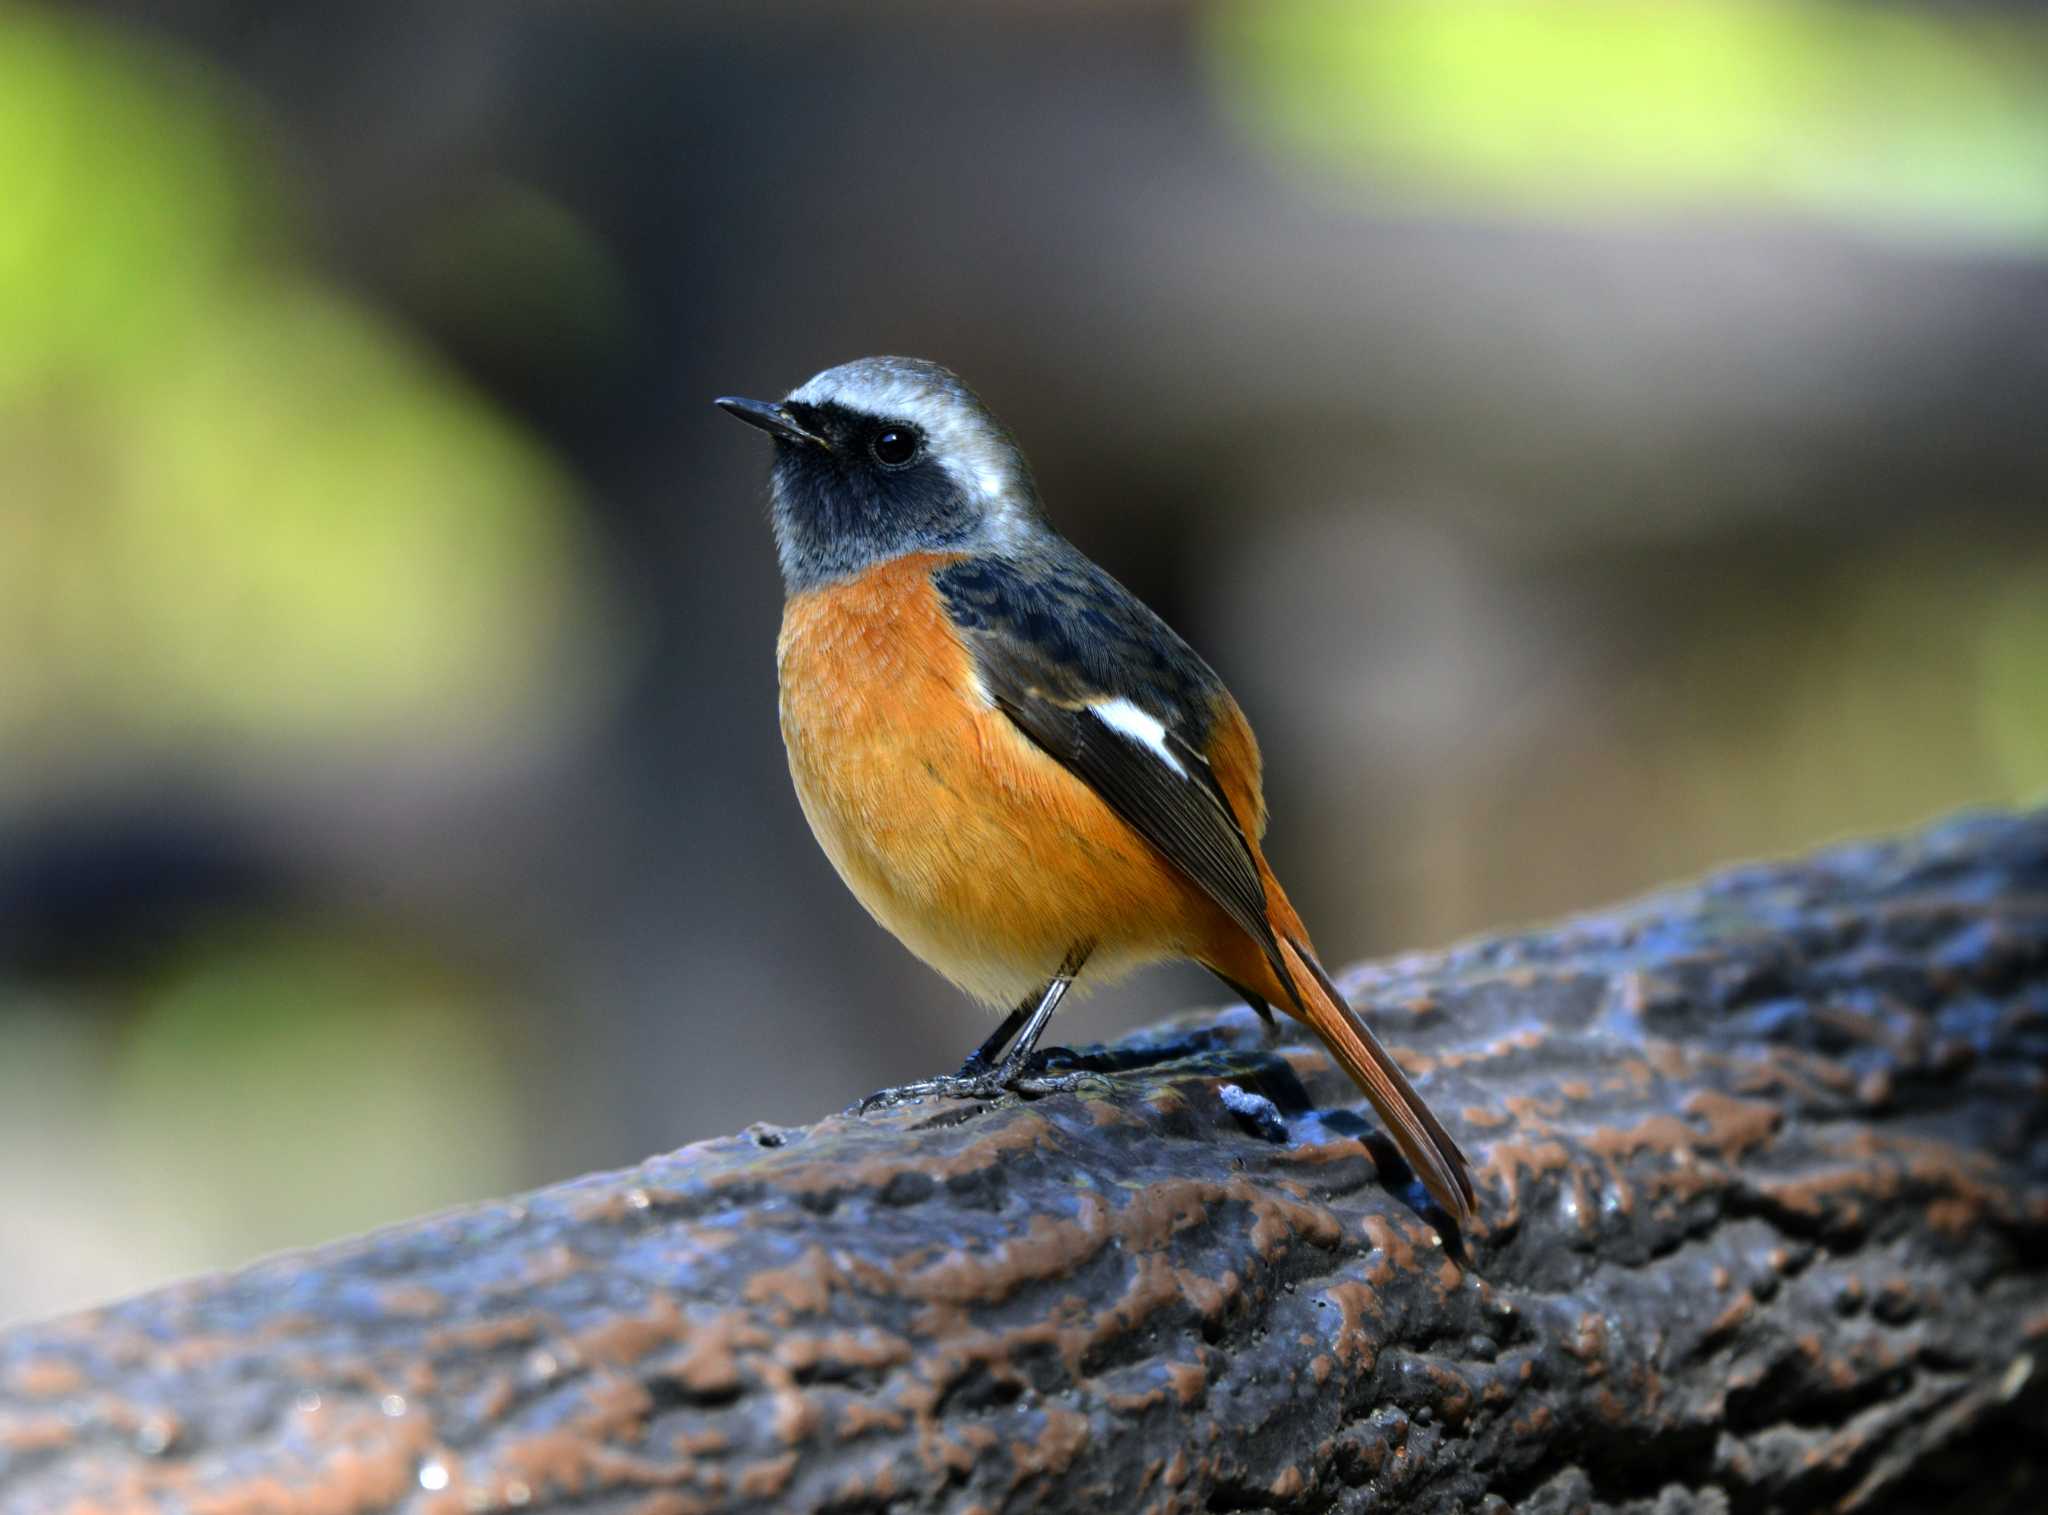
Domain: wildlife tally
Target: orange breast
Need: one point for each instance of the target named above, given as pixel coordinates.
(980, 853)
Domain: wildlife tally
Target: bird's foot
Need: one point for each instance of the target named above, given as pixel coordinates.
(1028, 1076)
(947, 1086)
(1039, 1084)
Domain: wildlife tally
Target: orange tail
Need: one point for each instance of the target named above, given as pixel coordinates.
(1415, 1129)
(1292, 980)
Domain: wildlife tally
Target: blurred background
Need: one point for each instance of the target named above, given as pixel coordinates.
(1596, 442)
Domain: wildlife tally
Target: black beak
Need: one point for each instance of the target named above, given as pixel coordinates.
(773, 419)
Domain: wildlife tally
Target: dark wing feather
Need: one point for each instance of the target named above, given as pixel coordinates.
(1019, 625)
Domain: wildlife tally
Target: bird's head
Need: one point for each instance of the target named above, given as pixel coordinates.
(886, 456)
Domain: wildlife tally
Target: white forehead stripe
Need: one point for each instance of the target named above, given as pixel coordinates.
(883, 388)
(966, 443)
(925, 395)
(1148, 731)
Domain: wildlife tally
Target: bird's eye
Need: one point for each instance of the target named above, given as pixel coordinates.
(893, 446)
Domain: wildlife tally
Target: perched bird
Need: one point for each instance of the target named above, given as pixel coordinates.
(1018, 768)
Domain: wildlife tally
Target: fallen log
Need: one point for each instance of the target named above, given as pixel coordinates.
(1763, 1174)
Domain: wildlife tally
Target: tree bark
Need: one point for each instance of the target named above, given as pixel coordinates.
(1763, 1174)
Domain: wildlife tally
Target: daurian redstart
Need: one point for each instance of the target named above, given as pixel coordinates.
(1018, 768)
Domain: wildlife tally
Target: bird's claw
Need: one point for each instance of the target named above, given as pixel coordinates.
(1058, 1083)
(952, 1086)
(1026, 1078)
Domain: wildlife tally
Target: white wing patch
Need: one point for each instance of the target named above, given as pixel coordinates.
(1147, 730)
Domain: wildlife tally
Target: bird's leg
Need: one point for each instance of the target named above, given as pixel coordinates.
(983, 1058)
(1016, 1068)
(976, 1079)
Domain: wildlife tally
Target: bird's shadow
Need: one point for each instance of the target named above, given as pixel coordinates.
(1268, 1101)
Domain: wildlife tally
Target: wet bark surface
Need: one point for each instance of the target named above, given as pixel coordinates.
(1763, 1174)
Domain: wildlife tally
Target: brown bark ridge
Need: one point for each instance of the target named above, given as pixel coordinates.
(1763, 1171)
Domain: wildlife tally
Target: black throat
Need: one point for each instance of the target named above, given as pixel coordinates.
(840, 510)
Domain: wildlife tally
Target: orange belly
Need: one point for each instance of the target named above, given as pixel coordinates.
(981, 854)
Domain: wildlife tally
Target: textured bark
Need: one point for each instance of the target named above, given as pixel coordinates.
(1764, 1181)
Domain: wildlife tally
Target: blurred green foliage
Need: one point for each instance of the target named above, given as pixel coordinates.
(1910, 676)
(242, 516)
(235, 504)
(2013, 683)
(272, 1084)
(1894, 688)
(342, 1079)
(1880, 115)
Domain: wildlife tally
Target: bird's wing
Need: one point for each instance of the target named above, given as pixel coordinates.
(1106, 689)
